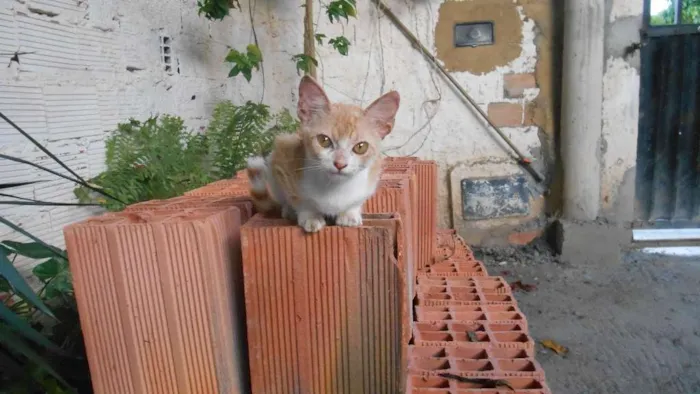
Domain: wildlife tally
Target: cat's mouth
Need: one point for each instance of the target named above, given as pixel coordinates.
(339, 174)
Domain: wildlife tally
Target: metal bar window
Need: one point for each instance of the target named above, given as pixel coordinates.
(678, 12)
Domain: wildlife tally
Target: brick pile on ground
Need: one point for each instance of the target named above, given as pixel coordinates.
(469, 336)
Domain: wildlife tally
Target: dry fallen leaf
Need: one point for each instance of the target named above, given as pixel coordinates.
(519, 285)
(472, 336)
(550, 344)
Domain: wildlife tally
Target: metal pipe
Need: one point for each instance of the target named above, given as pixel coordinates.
(522, 159)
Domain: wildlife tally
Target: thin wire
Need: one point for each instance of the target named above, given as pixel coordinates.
(436, 101)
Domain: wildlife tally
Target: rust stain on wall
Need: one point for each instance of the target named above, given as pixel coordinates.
(479, 60)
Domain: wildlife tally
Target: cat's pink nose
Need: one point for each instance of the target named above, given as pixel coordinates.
(339, 165)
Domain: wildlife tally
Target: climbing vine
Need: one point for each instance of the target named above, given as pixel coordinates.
(250, 60)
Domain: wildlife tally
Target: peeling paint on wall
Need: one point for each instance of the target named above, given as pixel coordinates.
(620, 117)
(625, 8)
(621, 84)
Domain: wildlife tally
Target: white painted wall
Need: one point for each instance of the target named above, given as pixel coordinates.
(75, 85)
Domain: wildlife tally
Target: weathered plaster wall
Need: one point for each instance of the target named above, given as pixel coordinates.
(94, 63)
(620, 109)
(90, 64)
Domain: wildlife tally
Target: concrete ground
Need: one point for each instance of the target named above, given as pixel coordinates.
(631, 321)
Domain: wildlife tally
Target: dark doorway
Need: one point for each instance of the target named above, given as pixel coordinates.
(668, 152)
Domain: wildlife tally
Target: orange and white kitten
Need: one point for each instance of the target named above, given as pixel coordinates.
(330, 167)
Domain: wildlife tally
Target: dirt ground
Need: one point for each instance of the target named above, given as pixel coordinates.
(631, 321)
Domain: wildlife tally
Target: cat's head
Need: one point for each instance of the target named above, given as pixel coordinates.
(340, 139)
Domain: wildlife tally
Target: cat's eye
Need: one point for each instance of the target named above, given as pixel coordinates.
(360, 148)
(324, 141)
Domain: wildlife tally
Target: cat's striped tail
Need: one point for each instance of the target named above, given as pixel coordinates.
(258, 185)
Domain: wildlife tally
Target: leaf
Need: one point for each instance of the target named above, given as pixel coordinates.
(319, 38)
(60, 285)
(472, 336)
(16, 184)
(247, 74)
(552, 345)
(233, 56)
(341, 44)
(34, 250)
(29, 235)
(234, 71)
(10, 273)
(22, 327)
(304, 62)
(519, 285)
(17, 345)
(49, 269)
(254, 53)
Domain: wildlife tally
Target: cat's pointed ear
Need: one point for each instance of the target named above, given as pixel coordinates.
(313, 101)
(382, 112)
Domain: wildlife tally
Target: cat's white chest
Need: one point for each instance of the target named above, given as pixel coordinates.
(336, 196)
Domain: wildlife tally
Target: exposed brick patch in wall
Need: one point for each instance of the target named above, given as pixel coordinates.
(533, 115)
(524, 237)
(506, 114)
(514, 85)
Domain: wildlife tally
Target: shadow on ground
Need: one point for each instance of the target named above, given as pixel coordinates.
(631, 321)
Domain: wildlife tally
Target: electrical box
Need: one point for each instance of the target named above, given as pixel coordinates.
(473, 34)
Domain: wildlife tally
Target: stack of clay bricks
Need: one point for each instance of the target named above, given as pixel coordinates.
(468, 335)
(160, 293)
(199, 294)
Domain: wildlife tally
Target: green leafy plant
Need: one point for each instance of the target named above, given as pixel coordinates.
(216, 9)
(155, 159)
(238, 132)
(41, 344)
(304, 62)
(341, 44)
(160, 158)
(690, 14)
(245, 63)
(341, 9)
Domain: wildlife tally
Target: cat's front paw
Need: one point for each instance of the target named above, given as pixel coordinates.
(311, 223)
(352, 218)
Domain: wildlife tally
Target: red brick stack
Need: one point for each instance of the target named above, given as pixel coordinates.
(468, 328)
(165, 288)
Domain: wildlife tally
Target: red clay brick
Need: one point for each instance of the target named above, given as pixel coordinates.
(418, 384)
(514, 85)
(226, 187)
(506, 114)
(427, 171)
(454, 268)
(160, 300)
(324, 310)
(393, 195)
(184, 202)
(426, 214)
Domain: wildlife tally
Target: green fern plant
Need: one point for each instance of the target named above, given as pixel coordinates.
(160, 158)
(155, 159)
(238, 132)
